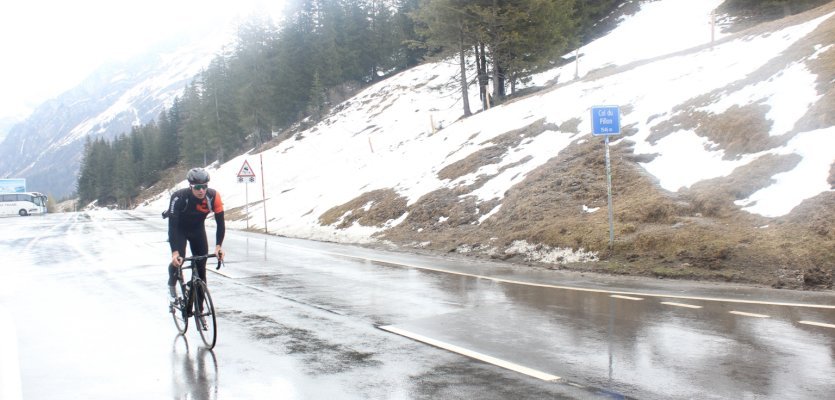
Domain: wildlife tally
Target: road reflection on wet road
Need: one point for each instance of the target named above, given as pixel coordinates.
(312, 320)
(195, 372)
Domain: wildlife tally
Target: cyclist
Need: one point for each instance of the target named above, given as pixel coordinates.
(187, 213)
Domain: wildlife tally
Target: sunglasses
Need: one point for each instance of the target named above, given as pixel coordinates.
(199, 187)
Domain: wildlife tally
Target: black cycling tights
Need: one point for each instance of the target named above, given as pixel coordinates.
(199, 246)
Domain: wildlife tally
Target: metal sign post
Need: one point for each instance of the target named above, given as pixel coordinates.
(246, 175)
(605, 121)
(263, 192)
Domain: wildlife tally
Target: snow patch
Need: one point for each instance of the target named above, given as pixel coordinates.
(547, 254)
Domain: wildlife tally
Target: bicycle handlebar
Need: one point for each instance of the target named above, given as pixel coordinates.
(201, 258)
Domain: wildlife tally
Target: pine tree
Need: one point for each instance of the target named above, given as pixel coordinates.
(194, 150)
(125, 180)
(86, 184)
(408, 52)
(450, 24)
(223, 132)
(252, 78)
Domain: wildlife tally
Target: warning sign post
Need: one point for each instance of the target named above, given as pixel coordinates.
(246, 175)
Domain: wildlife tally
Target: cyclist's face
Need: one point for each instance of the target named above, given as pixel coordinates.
(199, 193)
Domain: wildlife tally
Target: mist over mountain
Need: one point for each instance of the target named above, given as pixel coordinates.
(47, 146)
(6, 125)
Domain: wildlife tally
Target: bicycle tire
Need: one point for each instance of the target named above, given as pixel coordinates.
(204, 316)
(178, 310)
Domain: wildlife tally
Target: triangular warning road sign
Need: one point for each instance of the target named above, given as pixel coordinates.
(246, 171)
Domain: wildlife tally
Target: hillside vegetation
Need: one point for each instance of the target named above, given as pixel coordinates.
(696, 233)
(399, 165)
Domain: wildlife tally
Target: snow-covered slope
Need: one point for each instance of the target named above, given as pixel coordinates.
(383, 137)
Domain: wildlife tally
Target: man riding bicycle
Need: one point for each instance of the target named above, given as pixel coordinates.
(187, 213)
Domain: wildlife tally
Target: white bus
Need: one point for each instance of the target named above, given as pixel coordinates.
(22, 204)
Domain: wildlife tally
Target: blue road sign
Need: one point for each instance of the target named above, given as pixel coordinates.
(605, 120)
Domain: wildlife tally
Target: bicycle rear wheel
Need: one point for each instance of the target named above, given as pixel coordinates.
(178, 310)
(204, 315)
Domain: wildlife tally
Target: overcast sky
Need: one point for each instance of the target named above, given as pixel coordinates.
(49, 46)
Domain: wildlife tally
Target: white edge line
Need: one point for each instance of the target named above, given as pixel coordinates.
(217, 271)
(665, 296)
(817, 324)
(472, 354)
(749, 314)
(670, 303)
(619, 296)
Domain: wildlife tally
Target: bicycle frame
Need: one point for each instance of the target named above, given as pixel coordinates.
(195, 300)
(195, 277)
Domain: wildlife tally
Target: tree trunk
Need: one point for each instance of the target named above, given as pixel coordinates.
(483, 78)
(498, 82)
(464, 91)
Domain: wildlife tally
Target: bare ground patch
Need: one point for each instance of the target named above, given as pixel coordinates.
(373, 208)
(494, 153)
(820, 114)
(715, 197)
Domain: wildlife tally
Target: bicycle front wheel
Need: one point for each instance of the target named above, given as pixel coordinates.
(178, 310)
(204, 315)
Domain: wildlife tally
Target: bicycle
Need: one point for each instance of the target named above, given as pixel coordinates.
(193, 300)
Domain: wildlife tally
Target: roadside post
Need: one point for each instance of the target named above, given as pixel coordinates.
(246, 175)
(605, 121)
(263, 191)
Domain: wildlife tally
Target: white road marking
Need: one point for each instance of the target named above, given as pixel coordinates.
(472, 354)
(669, 303)
(817, 324)
(618, 296)
(578, 289)
(749, 314)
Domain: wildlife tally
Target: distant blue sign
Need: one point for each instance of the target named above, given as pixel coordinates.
(605, 120)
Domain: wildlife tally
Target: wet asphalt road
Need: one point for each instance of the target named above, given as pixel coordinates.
(83, 315)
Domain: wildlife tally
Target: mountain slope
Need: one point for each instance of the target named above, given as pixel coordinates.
(724, 169)
(47, 147)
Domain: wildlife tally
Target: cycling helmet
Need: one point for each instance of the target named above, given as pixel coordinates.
(197, 176)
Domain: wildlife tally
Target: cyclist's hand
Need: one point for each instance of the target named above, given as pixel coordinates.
(176, 260)
(220, 253)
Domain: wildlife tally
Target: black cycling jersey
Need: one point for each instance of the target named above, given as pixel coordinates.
(187, 214)
(186, 223)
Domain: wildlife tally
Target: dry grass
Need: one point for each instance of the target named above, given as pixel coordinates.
(369, 209)
(715, 197)
(740, 130)
(821, 115)
(494, 153)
